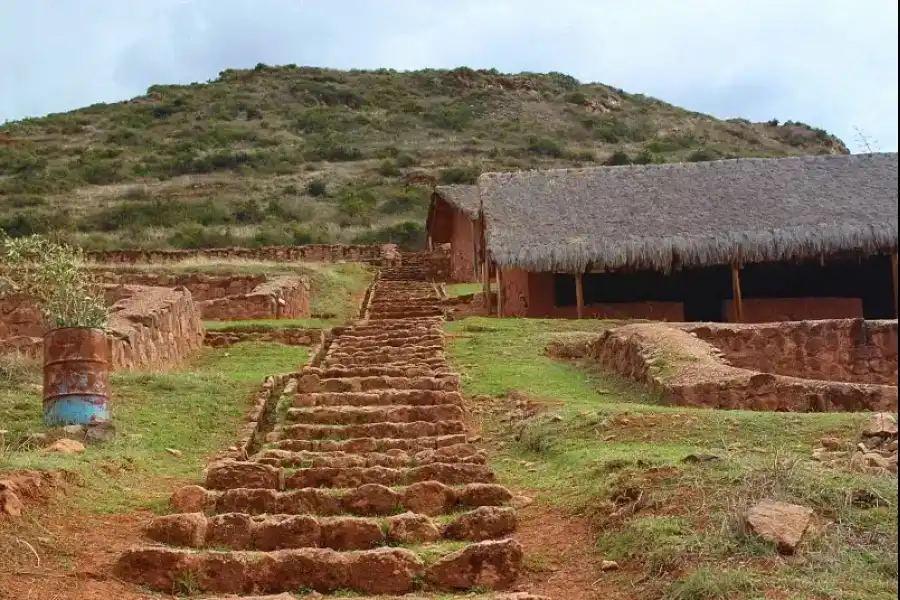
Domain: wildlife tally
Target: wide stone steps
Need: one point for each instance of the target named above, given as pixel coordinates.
(366, 444)
(427, 498)
(490, 596)
(241, 531)
(377, 571)
(416, 429)
(379, 398)
(358, 415)
(247, 474)
(392, 458)
(366, 484)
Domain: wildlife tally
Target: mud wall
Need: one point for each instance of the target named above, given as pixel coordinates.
(434, 265)
(462, 248)
(201, 285)
(768, 310)
(531, 295)
(385, 254)
(851, 350)
(691, 372)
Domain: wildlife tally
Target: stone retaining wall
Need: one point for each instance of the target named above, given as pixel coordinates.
(383, 255)
(851, 350)
(150, 328)
(229, 297)
(289, 336)
(691, 372)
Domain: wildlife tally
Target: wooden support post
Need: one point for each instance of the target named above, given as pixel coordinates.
(499, 290)
(736, 293)
(894, 268)
(579, 295)
(486, 282)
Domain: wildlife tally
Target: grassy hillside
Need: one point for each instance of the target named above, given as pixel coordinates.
(297, 155)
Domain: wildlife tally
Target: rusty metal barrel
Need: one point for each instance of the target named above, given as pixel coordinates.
(76, 376)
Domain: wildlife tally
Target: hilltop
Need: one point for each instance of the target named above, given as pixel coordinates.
(297, 154)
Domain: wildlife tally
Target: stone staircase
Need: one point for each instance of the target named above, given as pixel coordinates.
(367, 483)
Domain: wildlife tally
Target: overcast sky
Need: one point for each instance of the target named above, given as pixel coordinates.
(830, 63)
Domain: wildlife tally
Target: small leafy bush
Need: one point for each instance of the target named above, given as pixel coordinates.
(54, 276)
(459, 175)
(317, 188)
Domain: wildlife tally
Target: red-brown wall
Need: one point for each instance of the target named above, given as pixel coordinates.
(440, 228)
(767, 310)
(462, 248)
(531, 295)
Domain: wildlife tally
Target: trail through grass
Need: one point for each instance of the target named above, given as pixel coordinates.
(615, 451)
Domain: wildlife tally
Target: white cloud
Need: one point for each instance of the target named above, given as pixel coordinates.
(831, 63)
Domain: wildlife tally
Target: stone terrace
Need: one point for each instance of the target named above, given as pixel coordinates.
(368, 482)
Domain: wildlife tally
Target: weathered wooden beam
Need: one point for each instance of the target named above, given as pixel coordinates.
(579, 295)
(736, 293)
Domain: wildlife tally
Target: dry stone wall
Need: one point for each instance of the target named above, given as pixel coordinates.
(289, 336)
(150, 328)
(383, 255)
(19, 318)
(850, 350)
(692, 372)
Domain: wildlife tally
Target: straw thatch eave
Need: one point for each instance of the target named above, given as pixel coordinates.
(671, 216)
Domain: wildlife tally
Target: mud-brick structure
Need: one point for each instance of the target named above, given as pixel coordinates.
(747, 240)
(454, 217)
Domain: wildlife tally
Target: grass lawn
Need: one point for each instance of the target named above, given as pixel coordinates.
(613, 451)
(462, 289)
(196, 410)
(269, 324)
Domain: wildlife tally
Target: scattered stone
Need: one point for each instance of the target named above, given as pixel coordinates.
(484, 523)
(100, 432)
(881, 425)
(701, 458)
(609, 565)
(520, 502)
(174, 452)
(66, 446)
(190, 499)
(831, 443)
(10, 504)
(781, 523)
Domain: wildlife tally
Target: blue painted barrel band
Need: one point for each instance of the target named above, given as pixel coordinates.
(76, 410)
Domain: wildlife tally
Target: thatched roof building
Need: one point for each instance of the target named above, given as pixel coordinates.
(461, 197)
(660, 217)
(454, 218)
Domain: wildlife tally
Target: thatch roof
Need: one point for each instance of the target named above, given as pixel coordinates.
(462, 197)
(691, 214)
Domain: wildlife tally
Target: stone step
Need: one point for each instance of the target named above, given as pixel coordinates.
(246, 474)
(430, 339)
(372, 430)
(358, 415)
(447, 383)
(434, 368)
(495, 596)
(427, 498)
(370, 335)
(379, 398)
(466, 453)
(369, 444)
(241, 531)
(378, 571)
(401, 352)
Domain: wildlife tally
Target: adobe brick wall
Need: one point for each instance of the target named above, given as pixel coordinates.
(279, 298)
(462, 248)
(150, 328)
(690, 372)
(531, 295)
(767, 310)
(384, 254)
(850, 350)
(434, 265)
